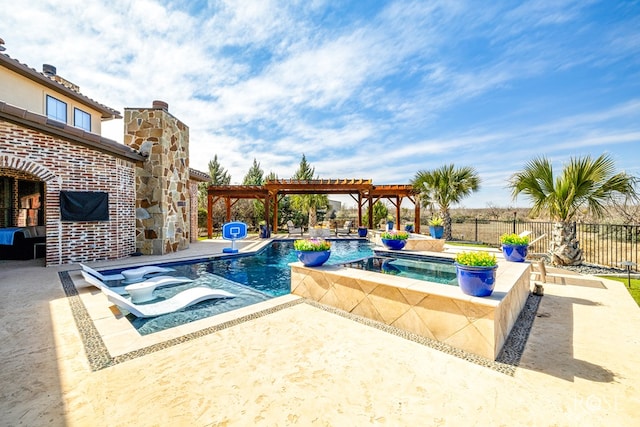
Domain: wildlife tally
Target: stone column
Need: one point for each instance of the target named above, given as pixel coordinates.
(162, 191)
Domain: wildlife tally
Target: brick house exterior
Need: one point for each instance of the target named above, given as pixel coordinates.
(61, 157)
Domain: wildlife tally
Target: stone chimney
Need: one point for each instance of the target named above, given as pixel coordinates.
(162, 193)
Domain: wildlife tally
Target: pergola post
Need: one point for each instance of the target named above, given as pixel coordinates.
(275, 213)
(370, 210)
(227, 202)
(416, 222)
(398, 202)
(209, 216)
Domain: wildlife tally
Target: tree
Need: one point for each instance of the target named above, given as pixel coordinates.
(308, 202)
(218, 174)
(255, 175)
(446, 186)
(584, 183)
(380, 212)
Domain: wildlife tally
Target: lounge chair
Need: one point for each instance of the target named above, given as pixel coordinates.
(292, 229)
(103, 277)
(346, 228)
(177, 302)
(139, 273)
(131, 275)
(141, 291)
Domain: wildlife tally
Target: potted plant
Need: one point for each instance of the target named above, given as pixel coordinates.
(514, 247)
(393, 239)
(362, 231)
(436, 227)
(476, 272)
(390, 222)
(408, 227)
(312, 252)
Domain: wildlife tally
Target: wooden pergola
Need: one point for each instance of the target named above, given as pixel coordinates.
(362, 191)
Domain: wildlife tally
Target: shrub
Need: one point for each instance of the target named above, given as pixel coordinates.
(313, 245)
(514, 239)
(436, 221)
(394, 235)
(476, 259)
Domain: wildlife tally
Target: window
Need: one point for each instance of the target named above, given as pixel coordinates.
(81, 119)
(56, 109)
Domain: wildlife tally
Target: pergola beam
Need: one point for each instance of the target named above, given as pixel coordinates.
(274, 190)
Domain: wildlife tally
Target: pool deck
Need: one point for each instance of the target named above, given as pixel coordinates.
(303, 365)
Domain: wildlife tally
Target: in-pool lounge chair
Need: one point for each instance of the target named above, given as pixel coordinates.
(141, 291)
(132, 275)
(292, 229)
(177, 302)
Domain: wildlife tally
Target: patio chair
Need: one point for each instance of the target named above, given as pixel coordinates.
(346, 228)
(292, 229)
(141, 291)
(177, 302)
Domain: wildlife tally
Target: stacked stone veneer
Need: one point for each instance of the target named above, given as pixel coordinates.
(439, 312)
(62, 165)
(162, 190)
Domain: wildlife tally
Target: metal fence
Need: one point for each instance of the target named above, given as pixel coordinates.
(602, 244)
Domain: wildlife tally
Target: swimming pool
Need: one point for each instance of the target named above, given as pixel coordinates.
(434, 270)
(252, 278)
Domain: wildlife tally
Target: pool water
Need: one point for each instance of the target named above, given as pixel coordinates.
(252, 278)
(430, 271)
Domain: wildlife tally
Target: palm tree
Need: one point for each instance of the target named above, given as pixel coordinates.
(583, 183)
(446, 186)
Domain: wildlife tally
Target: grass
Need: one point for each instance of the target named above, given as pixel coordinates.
(634, 290)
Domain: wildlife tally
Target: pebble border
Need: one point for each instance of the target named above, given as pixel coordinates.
(99, 357)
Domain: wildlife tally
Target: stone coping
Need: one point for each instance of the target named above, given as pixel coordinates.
(437, 311)
(506, 274)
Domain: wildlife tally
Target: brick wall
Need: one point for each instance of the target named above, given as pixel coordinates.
(63, 165)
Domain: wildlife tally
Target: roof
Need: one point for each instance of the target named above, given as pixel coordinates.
(46, 125)
(38, 77)
(196, 175)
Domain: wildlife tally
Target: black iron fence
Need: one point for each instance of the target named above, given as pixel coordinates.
(602, 244)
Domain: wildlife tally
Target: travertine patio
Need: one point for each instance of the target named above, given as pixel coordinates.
(304, 365)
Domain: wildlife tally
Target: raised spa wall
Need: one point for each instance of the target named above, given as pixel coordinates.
(432, 310)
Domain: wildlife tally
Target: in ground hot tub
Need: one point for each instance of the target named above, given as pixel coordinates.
(438, 311)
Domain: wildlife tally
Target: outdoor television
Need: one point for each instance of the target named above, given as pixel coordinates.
(84, 206)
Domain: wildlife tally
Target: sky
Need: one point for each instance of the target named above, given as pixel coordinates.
(364, 89)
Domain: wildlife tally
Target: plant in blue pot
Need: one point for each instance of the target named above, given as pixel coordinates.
(476, 272)
(312, 252)
(514, 247)
(362, 231)
(394, 239)
(436, 227)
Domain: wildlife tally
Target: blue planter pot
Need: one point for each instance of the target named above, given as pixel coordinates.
(515, 253)
(313, 258)
(476, 281)
(362, 232)
(396, 245)
(436, 231)
(408, 228)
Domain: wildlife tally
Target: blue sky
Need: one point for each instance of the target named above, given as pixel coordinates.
(365, 89)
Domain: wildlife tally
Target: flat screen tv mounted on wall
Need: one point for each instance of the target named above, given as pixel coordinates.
(84, 206)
